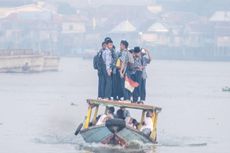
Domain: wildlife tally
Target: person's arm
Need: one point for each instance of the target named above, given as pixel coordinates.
(149, 55)
(108, 61)
(122, 73)
(122, 70)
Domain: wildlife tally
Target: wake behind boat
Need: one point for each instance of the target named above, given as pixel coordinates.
(116, 131)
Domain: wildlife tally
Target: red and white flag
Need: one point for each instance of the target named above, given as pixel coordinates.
(130, 84)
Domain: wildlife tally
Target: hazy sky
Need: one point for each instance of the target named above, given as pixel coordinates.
(116, 1)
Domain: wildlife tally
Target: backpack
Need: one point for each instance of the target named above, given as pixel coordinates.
(98, 61)
(118, 61)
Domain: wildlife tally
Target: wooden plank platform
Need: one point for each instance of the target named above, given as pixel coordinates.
(123, 104)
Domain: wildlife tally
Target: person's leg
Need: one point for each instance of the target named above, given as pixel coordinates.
(108, 86)
(139, 81)
(135, 92)
(126, 93)
(114, 88)
(119, 88)
(99, 95)
(102, 86)
(98, 89)
(143, 90)
(123, 88)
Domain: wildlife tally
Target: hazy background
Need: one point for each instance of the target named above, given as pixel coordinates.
(172, 29)
(39, 112)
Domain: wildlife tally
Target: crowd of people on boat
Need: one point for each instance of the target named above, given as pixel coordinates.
(124, 114)
(121, 74)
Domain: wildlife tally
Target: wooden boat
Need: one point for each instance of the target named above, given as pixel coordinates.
(23, 61)
(115, 131)
(226, 89)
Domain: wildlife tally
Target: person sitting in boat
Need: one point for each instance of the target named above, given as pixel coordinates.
(103, 118)
(148, 124)
(131, 122)
(122, 113)
(135, 123)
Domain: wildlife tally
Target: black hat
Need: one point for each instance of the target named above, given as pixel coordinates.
(137, 49)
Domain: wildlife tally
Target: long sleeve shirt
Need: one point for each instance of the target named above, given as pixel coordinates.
(145, 62)
(127, 59)
(107, 57)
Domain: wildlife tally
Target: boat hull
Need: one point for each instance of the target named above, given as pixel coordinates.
(124, 137)
(28, 63)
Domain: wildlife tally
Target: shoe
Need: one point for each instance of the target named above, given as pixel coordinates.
(140, 102)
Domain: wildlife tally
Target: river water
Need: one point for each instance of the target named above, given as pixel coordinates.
(39, 112)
